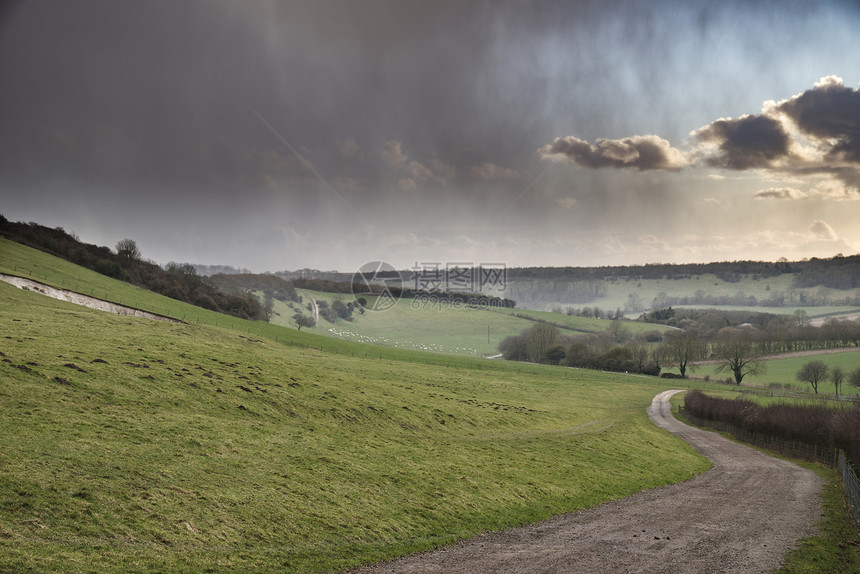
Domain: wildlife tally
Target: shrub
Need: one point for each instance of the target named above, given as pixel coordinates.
(812, 424)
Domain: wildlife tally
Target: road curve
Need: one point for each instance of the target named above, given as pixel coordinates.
(742, 516)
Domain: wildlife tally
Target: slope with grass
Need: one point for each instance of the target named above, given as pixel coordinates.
(19, 260)
(408, 326)
(129, 444)
(578, 325)
(444, 327)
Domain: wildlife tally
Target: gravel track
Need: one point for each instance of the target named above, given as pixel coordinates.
(742, 516)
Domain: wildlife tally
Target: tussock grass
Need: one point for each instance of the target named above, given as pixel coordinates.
(132, 445)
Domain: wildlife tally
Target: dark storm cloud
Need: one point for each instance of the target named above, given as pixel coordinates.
(827, 116)
(815, 133)
(165, 92)
(261, 113)
(639, 152)
(830, 113)
(747, 142)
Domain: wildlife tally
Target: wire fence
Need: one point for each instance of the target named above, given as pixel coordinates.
(852, 486)
(813, 452)
(772, 392)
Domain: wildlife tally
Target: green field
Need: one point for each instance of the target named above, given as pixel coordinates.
(461, 331)
(783, 371)
(134, 445)
(583, 324)
(16, 259)
(442, 328)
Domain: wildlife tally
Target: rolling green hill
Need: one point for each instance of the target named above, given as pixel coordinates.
(134, 445)
(405, 327)
(17, 259)
(442, 328)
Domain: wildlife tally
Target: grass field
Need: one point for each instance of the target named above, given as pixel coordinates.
(132, 445)
(784, 371)
(23, 261)
(421, 327)
(416, 326)
(583, 324)
(444, 328)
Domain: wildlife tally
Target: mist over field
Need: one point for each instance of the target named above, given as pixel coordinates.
(285, 135)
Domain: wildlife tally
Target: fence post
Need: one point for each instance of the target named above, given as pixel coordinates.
(852, 486)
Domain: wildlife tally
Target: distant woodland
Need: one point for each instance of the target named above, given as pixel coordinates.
(532, 286)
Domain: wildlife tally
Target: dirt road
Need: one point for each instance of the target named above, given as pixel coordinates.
(741, 516)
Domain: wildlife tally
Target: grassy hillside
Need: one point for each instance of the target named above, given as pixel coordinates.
(17, 259)
(427, 327)
(449, 330)
(416, 325)
(132, 445)
(581, 324)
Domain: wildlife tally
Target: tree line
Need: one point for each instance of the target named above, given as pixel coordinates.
(838, 272)
(771, 333)
(613, 350)
(738, 349)
(478, 300)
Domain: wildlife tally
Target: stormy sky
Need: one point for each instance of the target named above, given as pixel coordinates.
(287, 134)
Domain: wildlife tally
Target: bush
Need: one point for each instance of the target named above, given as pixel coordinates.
(812, 424)
(554, 355)
(341, 309)
(328, 314)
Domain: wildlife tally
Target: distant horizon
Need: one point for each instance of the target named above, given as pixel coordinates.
(442, 264)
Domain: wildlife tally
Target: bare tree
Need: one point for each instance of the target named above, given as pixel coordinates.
(268, 306)
(641, 354)
(737, 353)
(813, 372)
(854, 378)
(837, 377)
(680, 349)
(128, 249)
(540, 338)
